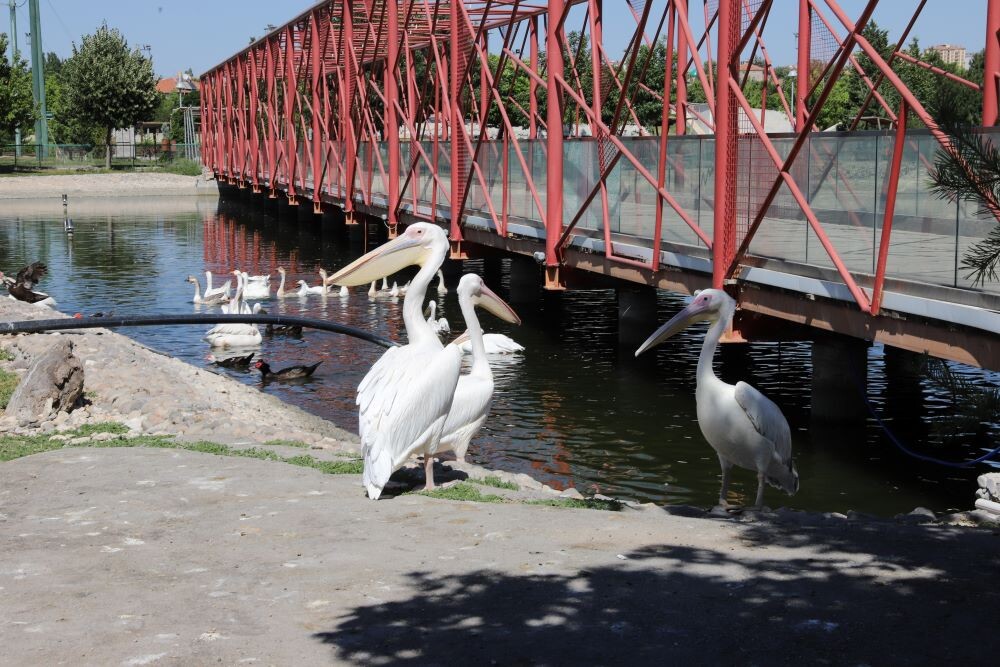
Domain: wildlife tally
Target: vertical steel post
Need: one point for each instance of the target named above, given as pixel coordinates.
(802, 82)
(554, 143)
(890, 207)
(391, 113)
(291, 95)
(347, 109)
(38, 78)
(456, 133)
(991, 64)
(680, 105)
(726, 146)
(533, 85)
(316, 140)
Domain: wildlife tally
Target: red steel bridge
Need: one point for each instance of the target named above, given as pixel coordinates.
(395, 111)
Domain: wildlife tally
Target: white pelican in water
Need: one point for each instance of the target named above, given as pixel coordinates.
(493, 342)
(741, 424)
(439, 325)
(213, 299)
(474, 393)
(404, 399)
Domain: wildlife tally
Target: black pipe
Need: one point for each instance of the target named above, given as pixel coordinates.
(38, 326)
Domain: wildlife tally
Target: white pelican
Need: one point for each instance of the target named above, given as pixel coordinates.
(404, 399)
(493, 342)
(439, 325)
(225, 290)
(741, 424)
(442, 289)
(474, 393)
(213, 299)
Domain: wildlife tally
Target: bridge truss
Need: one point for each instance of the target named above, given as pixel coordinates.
(356, 102)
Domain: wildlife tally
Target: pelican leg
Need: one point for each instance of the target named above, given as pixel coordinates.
(428, 472)
(724, 491)
(760, 491)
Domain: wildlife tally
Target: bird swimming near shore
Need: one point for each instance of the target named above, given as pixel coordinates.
(474, 392)
(287, 373)
(22, 286)
(225, 289)
(741, 424)
(234, 362)
(404, 399)
(215, 299)
(493, 343)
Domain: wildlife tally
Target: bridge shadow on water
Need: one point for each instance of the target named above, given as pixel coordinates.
(767, 594)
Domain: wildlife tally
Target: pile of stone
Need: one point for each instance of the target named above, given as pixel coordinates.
(989, 493)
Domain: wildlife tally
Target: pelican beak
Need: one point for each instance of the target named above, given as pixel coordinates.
(694, 312)
(401, 252)
(490, 302)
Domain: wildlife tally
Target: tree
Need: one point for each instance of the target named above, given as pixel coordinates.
(108, 84)
(17, 108)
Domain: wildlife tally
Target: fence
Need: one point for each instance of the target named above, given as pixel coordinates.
(134, 156)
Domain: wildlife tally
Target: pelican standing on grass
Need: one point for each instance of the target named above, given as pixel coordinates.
(404, 399)
(742, 425)
(474, 393)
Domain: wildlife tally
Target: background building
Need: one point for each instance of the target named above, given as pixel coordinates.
(950, 53)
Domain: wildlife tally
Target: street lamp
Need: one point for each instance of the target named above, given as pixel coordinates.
(793, 107)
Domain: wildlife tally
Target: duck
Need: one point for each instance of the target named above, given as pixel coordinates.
(439, 325)
(493, 343)
(234, 362)
(22, 287)
(225, 289)
(288, 373)
(213, 300)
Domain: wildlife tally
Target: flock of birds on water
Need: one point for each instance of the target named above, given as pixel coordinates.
(415, 401)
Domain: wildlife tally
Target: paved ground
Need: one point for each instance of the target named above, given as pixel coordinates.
(142, 556)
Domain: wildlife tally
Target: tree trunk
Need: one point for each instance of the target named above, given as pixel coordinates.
(107, 152)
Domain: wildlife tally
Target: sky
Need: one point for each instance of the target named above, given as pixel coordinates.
(199, 34)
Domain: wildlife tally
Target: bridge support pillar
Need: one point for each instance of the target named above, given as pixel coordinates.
(636, 314)
(525, 279)
(839, 379)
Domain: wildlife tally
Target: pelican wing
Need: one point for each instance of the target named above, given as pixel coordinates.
(469, 409)
(766, 418)
(403, 403)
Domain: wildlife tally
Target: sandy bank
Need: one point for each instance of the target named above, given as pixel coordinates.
(124, 184)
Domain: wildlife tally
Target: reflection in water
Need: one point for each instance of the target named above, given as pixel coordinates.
(574, 409)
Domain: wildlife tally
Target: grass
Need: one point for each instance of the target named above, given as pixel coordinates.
(496, 482)
(586, 503)
(16, 446)
(179, 166)
(463, 491)
(6, 355)
(287, 443)
(8, 383)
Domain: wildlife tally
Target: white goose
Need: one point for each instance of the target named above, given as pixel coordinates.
(474, 392)
(212, 300)
(235, 335)
(281, 293)
(306, 290)
(438, 325)
(441, 288)
(225, 290)
(254, 287)
(493, 343)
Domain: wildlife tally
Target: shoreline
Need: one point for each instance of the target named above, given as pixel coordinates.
(114, 185)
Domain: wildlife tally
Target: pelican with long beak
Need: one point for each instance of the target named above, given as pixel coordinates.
(404, 399)
(742, 425)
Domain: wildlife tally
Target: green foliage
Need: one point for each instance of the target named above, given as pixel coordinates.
(972, 173)
(17, 108)
(586, 503)
(8, 383)
(5, 355)
(496, 482)
(286, 443)
(463, 491)
(181, 166)
(107, 84)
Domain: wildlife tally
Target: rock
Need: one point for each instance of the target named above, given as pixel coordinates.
(991, 482)
(571, 492)
(103, 437)
(53, 383)
(60, 437)
(923, 513)
(82, 440)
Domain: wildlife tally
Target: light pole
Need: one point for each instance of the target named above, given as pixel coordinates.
(13, 62)
(793, 106)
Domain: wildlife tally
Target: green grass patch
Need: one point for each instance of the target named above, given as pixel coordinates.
(16, 446)
(587, 504)
(6, 355)
(287, 443)
(8, 383)
(463, 491)
(496, 483)
(180, 166)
